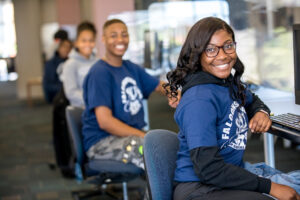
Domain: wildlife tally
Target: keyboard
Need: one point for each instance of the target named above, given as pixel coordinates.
(288, 120)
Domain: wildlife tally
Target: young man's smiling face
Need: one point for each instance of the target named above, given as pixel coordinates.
(115, 38)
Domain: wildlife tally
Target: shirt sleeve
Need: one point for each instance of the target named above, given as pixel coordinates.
(211, 169)
(49, 78)
(70, 83)
(148, 82)
(98, 89)
(198, 119)
(254, 104)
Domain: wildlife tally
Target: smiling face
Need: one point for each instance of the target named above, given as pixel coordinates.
(115, 39)
(85, 43)
(64, 48)
(221, 65)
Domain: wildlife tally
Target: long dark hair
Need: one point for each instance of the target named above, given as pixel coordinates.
(189, 59)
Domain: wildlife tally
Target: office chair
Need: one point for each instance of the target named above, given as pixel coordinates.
(160, 154)
(99, 172)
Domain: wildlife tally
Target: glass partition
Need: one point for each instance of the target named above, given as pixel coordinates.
(8, 46)
(7, 30)
(263, 31)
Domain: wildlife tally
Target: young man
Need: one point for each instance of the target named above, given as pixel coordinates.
(114, 88)
(51, 82)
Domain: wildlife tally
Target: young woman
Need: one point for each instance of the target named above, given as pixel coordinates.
(214, 114)
(80, 61)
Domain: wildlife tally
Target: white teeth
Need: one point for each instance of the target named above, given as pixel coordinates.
(120, 46)
(222, 66)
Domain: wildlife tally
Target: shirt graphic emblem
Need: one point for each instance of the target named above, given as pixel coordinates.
(241, 132)
(238, 140)
(131, 96)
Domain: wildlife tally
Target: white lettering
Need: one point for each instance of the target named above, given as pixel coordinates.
(228, 124)
(225, 137)
(226, 130)
(230, 116)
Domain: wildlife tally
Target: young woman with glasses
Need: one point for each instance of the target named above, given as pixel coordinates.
(214, 114)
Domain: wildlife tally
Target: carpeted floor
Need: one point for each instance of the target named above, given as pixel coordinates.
(26, 149)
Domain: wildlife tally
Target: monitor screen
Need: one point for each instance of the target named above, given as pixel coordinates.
(296, 43)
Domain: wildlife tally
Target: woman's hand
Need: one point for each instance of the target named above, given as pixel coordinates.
(260, 122)
(283, 192)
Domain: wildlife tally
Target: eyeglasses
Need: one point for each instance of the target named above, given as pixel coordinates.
(213, 50)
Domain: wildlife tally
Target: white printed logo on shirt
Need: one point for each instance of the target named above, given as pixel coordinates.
(131, 95)
(241, 132)
(238, 140)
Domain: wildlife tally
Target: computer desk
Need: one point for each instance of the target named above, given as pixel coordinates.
(279, 102)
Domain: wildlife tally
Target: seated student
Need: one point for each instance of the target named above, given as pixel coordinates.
(80, 61)
(213, 117)
(59, 35)
(51, 82)
(114, 89)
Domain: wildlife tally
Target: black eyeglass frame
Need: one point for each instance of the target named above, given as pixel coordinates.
(234, 43)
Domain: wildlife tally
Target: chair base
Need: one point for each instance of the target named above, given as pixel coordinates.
(113, 191)
(87, 194)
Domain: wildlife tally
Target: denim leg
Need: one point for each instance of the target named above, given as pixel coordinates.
(291, 179)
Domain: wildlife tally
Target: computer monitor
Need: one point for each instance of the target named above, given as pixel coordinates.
(296, 42)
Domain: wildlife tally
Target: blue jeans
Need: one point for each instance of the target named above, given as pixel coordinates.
(291, 179)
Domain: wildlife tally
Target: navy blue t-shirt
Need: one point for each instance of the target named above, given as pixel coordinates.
(121, 89)
(208, 116)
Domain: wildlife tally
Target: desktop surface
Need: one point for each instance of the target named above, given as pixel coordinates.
(281, 103)
(286, 126)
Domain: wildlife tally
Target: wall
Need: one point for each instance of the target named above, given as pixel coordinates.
(31, 14)
(296, 12)
(68, 11)
(102, 9)
(48, 11)
(86, 10)
(28, 60)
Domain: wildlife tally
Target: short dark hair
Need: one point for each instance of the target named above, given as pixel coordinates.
(61, 34)
(86, 26)
(112, 21)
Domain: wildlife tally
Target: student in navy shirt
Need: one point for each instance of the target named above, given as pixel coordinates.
(51, 82)
(113, 91)
(213, 115)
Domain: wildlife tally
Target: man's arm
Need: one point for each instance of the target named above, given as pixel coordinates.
(160, 89)
(113, 125)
